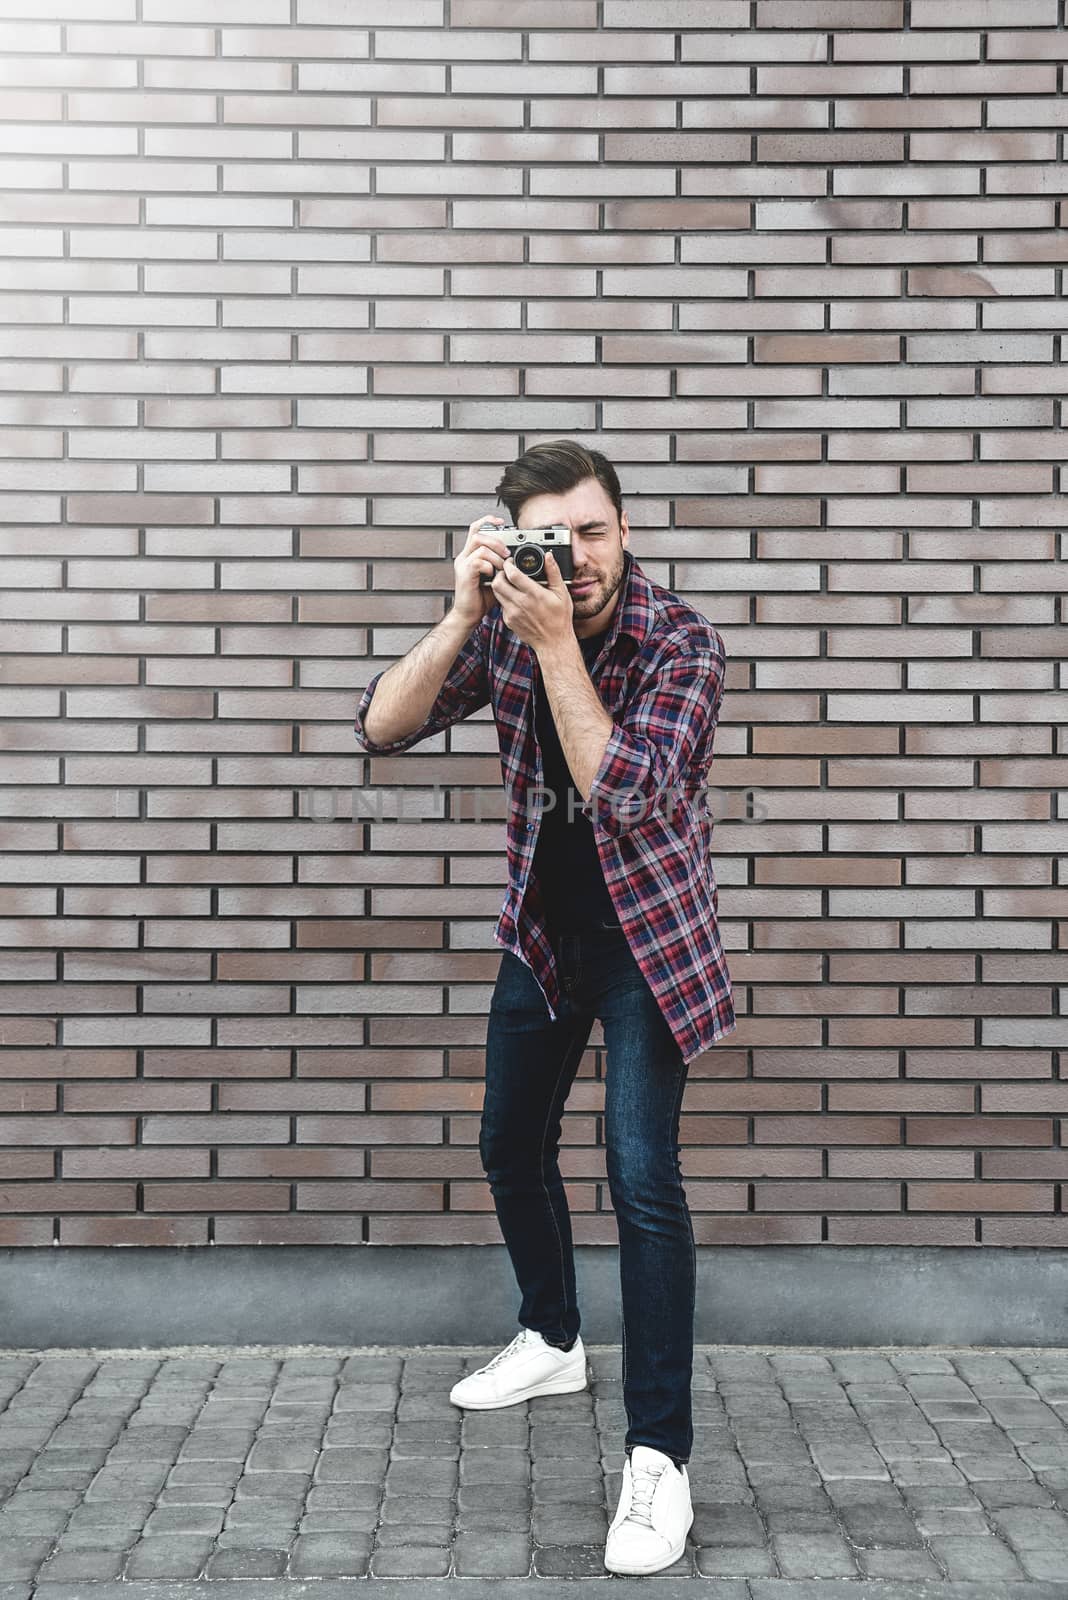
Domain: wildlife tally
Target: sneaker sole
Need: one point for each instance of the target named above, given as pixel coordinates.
(639, 1571)
(549, 1386)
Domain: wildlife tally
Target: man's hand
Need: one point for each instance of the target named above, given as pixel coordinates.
(540, 616)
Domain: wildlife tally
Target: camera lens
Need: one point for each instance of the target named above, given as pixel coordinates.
(530, 558)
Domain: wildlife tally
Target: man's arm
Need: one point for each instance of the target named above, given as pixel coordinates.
(661, 745)
(443, 678)
(582, 723)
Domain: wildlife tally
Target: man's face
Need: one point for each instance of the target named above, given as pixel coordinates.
(598, 540)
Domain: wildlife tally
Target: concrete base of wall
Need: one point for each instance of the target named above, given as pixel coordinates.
(466, 1295)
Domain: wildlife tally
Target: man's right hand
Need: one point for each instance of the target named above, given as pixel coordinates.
(484, 551)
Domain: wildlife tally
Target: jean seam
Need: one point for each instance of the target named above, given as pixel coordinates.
(676, 1111)
(565, 1061)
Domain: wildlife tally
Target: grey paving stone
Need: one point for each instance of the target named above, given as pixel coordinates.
(200, 1483)
(89, 1565)
(982, 1558)
(814, 1523)
(105, 1515)
(425, 1531)
(567, 1525)
(330, 1555)
(358, 1430)
(802, 1555)
(775, 1497)
(495, 1465)
(564, 1439)
(21, 1557)
(126, 1482)
(411, 1561)
(283, 1455)
(1034, 1527)
(496, 1522)
(572, 1561)
(727, 1525)
(916, 1564)
(971, 1520)
(419, 1476)
(479, 1554)
(735, 1561)
(273, 1485)
(587, 1490)
(251, 1562)
(1045, 1564)
(183, 1519)
(179, 1555)
(1019, 1492)
(343, 1494)
(263, 1536)
(870, 1525)
(30, 1521)
(430, 1449)
(340, 1519)
(250, 1511)
(351, 1465)
(217, 1444)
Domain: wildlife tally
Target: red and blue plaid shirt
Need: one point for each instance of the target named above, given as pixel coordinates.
(659, 675)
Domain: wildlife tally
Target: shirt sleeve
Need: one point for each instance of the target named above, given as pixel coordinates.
(660, 750)
(466, 689)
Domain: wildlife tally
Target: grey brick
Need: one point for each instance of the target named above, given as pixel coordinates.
(249, 1562)
(573, 1561)
(802, 1555)
(20, 1558)
(735, 1561)
(727, 1525)
(67, 1566)
(421, 1531)
(168, 1556)
(330, 1555)
(480, 1555)
(979, 1558)
(411, 1561)
(562, 1525)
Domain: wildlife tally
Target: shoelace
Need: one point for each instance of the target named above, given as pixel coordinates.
(520, 1338)
(643, 1487)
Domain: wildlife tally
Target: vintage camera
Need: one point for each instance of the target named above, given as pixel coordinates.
(527, 548)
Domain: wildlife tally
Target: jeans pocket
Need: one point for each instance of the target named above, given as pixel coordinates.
(517, 999)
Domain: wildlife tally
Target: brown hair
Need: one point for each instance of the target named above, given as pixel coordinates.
(553, 468)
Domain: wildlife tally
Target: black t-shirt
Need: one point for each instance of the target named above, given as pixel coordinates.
(566, 863)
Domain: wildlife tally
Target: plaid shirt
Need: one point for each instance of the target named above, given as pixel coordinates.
(659, 675)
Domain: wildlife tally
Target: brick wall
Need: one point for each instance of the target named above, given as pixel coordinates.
(285, 283)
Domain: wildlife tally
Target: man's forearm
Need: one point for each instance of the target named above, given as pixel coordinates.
(582, 723)
(406, 691)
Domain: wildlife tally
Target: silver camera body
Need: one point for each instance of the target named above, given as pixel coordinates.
(528, 546)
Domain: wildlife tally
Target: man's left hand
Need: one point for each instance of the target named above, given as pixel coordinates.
(541, 616)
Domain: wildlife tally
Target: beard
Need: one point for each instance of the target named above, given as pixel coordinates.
(605, 585)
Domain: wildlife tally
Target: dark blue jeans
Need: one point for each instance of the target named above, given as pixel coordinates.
(531, 1063)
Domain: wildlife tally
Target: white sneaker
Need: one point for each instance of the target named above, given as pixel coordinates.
(653, 1516)
(526, 1367)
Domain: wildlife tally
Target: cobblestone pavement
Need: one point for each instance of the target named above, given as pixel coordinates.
(816, 1474)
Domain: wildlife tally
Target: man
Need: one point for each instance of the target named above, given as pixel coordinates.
(611, 688)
